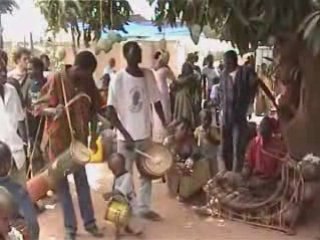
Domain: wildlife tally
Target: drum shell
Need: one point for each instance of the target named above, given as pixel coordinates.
(68, 161)
(143, 168)
(118, 213)
(38, 186)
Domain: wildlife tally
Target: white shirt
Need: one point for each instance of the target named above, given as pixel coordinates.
(11, 113)
(17, 74)
(211, 74)
(215, 94)
(132, 97)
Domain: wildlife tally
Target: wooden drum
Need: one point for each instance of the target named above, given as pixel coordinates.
(118, 212)
(69, 161)
(38, 186)
(155, 162)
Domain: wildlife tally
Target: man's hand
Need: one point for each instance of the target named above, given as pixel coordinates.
(21, 226)
(129, 142)
(107, 196)
(58, 111)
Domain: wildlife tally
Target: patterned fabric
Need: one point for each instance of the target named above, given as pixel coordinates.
(57, 137)
(15, 235)
(263, 158)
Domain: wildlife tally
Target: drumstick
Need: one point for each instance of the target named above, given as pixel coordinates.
(143, 154)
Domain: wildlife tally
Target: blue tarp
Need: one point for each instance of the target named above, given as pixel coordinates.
(149, 31)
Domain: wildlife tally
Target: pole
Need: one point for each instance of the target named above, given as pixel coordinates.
(31, 42)
(1, 34)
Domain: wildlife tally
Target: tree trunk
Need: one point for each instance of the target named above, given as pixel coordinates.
(74, 48)
(302, 132)
(1, 34)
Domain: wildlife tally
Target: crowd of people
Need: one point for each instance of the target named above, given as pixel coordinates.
(201, 116)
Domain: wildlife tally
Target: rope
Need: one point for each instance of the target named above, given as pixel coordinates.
(67, 109)
(30, 168)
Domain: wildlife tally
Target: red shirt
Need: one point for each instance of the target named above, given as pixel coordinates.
(264, 159)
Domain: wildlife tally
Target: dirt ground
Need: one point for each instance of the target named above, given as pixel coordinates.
(179, 223)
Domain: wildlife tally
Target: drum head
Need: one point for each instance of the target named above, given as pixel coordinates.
(80, 152)
(161, 160)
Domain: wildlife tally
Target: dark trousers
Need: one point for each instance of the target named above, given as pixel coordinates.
(84, 198)
(234, 141)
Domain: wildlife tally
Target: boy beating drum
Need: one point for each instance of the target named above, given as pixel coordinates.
(123, 192)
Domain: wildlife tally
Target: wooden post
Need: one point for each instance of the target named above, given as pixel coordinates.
(1, 34)
(31, 42)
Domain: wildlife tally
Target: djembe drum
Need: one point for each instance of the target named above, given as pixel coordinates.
(69, 161)
(155, 162)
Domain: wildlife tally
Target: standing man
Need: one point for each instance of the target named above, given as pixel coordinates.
(238, 89)
(46, 62)
(210, 76)
(12, 122)
(130, 97)
(18, 77)
(111, 67)
(35, 83)
(57, 137)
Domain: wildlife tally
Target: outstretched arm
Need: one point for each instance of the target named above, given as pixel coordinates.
(112, 115)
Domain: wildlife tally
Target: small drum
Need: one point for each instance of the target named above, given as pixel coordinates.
(155, 162)
(118, 212)
(38, 186)
(69, 161)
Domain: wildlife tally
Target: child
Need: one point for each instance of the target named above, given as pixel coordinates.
(123, 187)
(21, 197)
(8, 229)
(208, 139)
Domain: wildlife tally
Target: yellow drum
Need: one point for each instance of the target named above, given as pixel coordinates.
(118, 212)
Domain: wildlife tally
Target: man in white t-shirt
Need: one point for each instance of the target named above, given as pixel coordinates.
(12, 118)
(131, 94)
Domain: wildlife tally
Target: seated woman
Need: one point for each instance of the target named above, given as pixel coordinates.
(263, 164)
(190, 171)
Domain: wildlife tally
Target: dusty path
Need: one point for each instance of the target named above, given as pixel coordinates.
(180, 222)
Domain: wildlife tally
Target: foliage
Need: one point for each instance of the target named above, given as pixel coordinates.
(7, 6)
(85, 19)
(247, 23)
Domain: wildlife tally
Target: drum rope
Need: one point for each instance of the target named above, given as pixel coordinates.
(67, 109)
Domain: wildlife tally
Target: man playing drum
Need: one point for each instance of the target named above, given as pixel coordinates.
(57, 138)
(131, 94)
